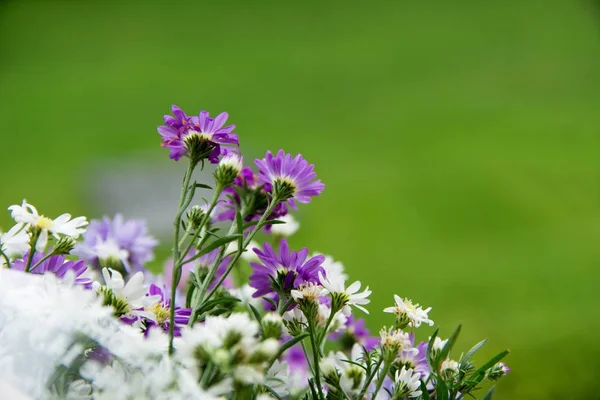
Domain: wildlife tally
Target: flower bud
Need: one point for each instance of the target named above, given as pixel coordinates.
(497, 371)
(195, 216)
(64, 246)
(199, 147)
(264, 351)
(228, 169)
(272, 326)
(449, 369)
(392, 342)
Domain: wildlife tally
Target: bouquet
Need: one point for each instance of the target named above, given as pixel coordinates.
(230, 317)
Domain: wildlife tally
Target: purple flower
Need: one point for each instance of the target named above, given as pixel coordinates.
(415, 358)
(58, 265)
(246, 194)
(284, 272)
(288, 178)
(181, 127)
(117, 240)
(355, 331)
(161, 313)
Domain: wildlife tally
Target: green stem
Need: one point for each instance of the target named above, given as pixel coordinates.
(386, 367)
(37, 264)
(3, 254)
(206, 218)
(176, 266)
(34, 241)
(236, 257)
(315, 350)
(363, 392)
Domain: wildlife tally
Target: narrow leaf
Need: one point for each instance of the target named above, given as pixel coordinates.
(491, 362)
(441, 391)
(255, 312)
(290, 343)
(473, 350)
(424, 391)
(489, 394)
(202, 186)
(216, 244)
(430, 349)
(448, 346)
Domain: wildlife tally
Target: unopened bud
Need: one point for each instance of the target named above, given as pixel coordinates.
(228, 169)
(64, 246)
(272, 326)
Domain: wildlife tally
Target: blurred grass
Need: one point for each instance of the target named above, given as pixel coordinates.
(459, 142)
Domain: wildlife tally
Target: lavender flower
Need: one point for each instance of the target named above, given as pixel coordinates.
(57, 265)
(117, 241)
(288, 178)
(180, 130)
(284, 272)
(158, 315)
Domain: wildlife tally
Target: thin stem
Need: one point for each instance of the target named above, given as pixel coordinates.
(205, 219)
(368, 381)
(176, 266)
(315, 350)
(386, 367)
(3, 254)
(34, 241)
(37, 264)
(236, 257)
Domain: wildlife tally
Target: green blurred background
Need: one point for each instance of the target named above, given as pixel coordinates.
(459, 142)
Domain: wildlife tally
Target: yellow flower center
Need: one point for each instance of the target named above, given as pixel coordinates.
(162, 313)
(44, 223)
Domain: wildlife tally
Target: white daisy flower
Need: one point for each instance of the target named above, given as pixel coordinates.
(130, 297)
(27, 215)
(407, 383)
(288, 228)
(14, 243)
(335, 284)
(309, 292)
(413, 314)
(449, 365)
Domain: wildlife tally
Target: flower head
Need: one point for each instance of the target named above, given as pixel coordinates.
(117, 242)
(58, 266)
(14, 243)
(288, 178)
(284, 271)
(128, 300)
(183, 134)
(409, 314)
(27, 215)
(407, 384)
(342, 297)
(158, 314)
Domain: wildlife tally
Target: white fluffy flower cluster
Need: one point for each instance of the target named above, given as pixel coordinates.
(231, 344)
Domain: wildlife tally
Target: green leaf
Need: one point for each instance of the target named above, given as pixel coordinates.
(288, 344)
(474, 350)
(491, 362)
(424, 391)
(240, 229)
(448, 346)
(202, 186)
(216, 244)
(255, 312)
(221, 300)
(441, 391)
(489, 394)
(430, 349)
(270, 222)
